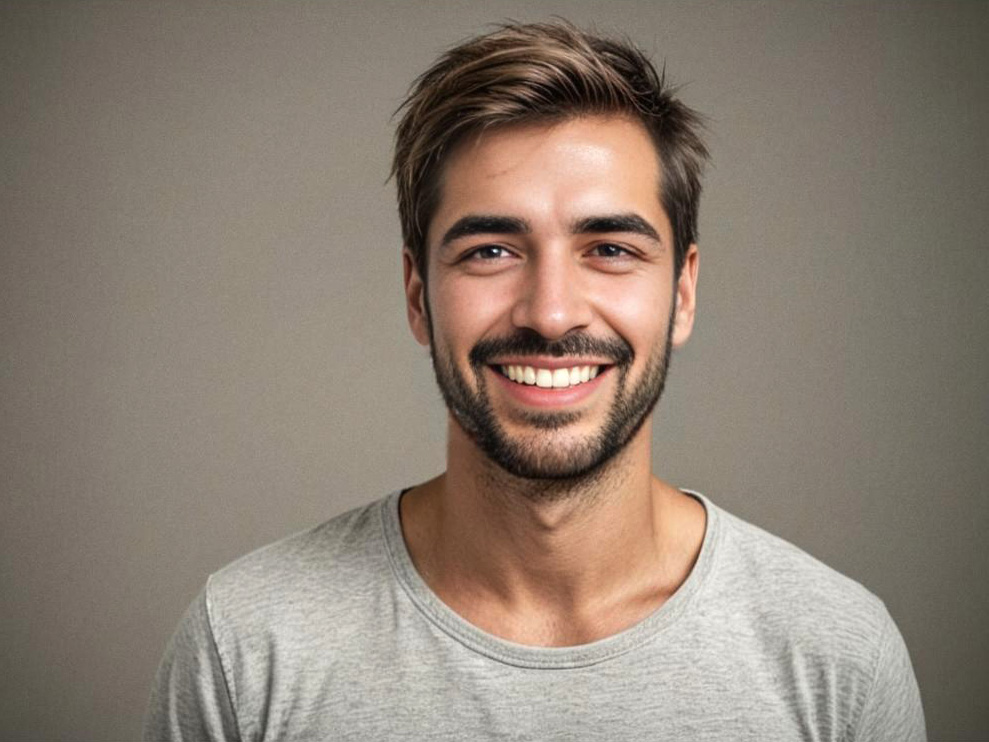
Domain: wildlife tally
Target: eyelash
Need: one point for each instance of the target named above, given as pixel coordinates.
(478, 252)
(622, 252)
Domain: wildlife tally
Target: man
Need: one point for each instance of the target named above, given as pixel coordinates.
(547, 585)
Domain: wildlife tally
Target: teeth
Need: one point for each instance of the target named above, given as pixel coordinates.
(545, 378)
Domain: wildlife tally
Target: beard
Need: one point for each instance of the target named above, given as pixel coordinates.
(550, 451)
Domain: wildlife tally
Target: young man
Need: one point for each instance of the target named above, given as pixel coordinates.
(547, 585)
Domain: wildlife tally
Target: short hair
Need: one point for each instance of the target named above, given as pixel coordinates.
(533, 73)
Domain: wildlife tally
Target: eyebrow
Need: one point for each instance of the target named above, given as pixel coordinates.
(470, 225)
(632, 223)
(475, 224)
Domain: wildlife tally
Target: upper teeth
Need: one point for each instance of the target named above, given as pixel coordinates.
(546, 377)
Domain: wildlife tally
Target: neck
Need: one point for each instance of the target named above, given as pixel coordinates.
(551, 561)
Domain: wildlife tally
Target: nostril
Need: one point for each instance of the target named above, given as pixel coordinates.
(551, 316)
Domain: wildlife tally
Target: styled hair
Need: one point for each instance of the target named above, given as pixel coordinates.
(533, 73)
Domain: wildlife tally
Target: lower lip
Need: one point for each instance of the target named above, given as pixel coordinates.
(537, 396)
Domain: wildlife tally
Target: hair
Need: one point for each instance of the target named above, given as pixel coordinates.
(534, 73)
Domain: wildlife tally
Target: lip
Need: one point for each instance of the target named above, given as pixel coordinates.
(545, 398)
(550, 362)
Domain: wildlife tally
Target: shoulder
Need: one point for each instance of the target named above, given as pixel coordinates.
(282, 585)
(776, 572)
(795, 605)
(831, 641)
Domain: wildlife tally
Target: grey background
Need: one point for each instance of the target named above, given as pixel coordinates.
(204, 345)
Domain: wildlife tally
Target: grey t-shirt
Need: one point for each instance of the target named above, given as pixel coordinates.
(331, 634)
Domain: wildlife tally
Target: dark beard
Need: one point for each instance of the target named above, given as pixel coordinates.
(630, 410)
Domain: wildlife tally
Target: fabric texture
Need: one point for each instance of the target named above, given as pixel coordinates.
(331, 634)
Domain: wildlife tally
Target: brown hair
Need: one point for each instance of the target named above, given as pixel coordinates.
(525, 73)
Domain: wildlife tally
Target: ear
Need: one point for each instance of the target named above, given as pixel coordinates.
(415, 299)
(686, 298)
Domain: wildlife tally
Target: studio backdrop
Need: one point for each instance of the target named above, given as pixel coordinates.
(203, 343)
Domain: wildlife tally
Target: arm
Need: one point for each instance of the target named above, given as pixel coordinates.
(893, 711)
(191, 699)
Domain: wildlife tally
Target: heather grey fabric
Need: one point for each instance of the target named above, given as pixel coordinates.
(331, 634)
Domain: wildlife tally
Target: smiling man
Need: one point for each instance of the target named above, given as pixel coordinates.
(547, 585)
(554, 262)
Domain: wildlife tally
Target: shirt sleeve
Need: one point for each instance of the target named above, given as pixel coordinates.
(893, 711)
(190, 700)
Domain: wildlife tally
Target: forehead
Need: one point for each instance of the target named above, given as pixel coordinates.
(552, 173)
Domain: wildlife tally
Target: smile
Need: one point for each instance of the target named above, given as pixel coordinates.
(557, 378)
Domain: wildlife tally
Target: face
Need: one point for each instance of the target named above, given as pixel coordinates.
(551, 305)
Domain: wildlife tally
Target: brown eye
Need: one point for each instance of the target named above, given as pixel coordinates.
(489, 252)
(609, 250)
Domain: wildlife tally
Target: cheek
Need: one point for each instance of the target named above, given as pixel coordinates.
(637, 311)
(467, 309)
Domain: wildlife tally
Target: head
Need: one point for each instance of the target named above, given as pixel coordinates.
(498, 129)
(541, 73)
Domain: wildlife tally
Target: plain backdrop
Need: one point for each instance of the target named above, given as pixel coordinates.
(203, 344)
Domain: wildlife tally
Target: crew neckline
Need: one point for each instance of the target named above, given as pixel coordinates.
(535, 657)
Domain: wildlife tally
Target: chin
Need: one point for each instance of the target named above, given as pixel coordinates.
(547, 456)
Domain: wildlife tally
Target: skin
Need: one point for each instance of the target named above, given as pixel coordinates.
(567, 561)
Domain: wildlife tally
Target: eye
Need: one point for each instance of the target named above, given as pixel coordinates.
(611, 257)
(610, 250)
(487, 253)
(484, 260)
(490, 252)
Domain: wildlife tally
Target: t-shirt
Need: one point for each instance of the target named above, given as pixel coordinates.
(331, 634)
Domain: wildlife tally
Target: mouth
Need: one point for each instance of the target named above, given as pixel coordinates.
(550, 378)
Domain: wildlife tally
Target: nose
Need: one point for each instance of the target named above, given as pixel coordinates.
(553, 299)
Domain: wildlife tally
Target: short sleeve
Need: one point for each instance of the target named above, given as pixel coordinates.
(893, 711)
(190, 700)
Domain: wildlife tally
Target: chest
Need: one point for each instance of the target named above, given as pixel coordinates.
(424, 685)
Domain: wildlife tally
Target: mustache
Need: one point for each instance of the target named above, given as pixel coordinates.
(528, 342)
